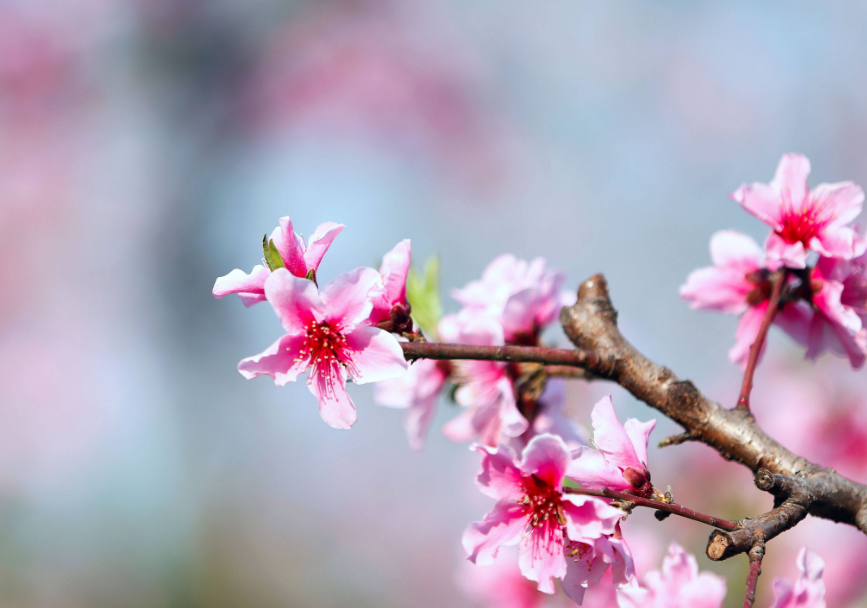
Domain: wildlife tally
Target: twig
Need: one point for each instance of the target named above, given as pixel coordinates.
(510, 354)
(756, 348)
(673, 508)
(756, 555)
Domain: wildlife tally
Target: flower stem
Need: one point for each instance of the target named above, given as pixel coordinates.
(756, 555)
(756, 348)
(673, 508)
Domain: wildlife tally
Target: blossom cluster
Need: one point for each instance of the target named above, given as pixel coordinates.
(813, 243)
(513, 303)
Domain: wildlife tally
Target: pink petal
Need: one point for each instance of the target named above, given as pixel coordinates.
(592, 471)
(714, 288)
(639, 434)
(761, 201)
(461, 428)
(513, 422)
(249, 299)
(394, 270)
(546, 457)
(795, 319)
(733, 249)
(503, 526)
(846, 199)
(616, 552)
(417, 421)
(779, 252)
(828, 300)
(376, 355)
(783, 594)
(319, 243)
(519, 314)
(747, 332)
(291, 247)
(250, 285)
(839, 242)
(418, 391)
(328, 384)
(279, 361)
(348, 296)
(588, 518)
(499, 476)
(791, 179)
(541, 556)
(610, 436)
(295, 301)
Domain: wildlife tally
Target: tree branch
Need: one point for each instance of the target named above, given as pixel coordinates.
(667, 507)
(591, 325)
(756, 555)
(511, 354)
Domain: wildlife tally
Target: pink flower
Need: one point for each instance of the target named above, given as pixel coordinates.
(500, 585)
(394, 270)
(840, 309)
(679, 585)
(524, 297)
(485, 388)
(809, 589)
(620, 462)
(417, 391)
(587, 560)
(533, 512)
(327, 334)
(299, 259)
(738, 283)
(802, 220)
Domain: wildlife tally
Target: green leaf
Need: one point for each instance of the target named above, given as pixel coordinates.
(423, 294)
(272, 257)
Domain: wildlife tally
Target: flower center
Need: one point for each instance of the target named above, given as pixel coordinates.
(543, 509)
(325, 346)
(800, 226)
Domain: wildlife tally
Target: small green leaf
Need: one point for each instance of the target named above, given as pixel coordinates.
(423, 294)
(273, 257)
(265, 253)
(311, 275)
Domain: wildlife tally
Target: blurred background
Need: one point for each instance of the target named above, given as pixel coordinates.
(147, 145)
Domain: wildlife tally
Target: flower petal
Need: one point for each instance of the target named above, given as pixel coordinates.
(541, 556)
(501, 527)
(328, 383)
(376, 355)
(250, 285)
(610, 436)
(295, 301)
(319, 243)
(639, 434)
(499, 476)
(348, 296)
(747, 332)
(715, 288)
(761, 201)
(790, 180)
(546, 457)
(845, 198)
(592, 471)
(280, 361)
(780, 252)
(734, 249)
(291, 247)
(588, 518)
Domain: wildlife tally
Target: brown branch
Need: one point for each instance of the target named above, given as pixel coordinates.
(792, 498)
(667, 507)
(756, 348)
(756, 555)
(510, 354)
(591, 325)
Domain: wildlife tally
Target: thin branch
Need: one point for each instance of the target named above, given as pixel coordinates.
(566, 371)
(756, 555)
(667, 507)
(510, 354)
(756, 348)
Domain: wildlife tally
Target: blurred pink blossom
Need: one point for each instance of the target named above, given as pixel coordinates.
(802, 220)
(678, 585)
(524, 296)
(738, 283)
(417, 391)
(327, 334)
(485, 388)
(301, 259)
(534, 513)
(550, 418)
(499, 585)
(840, 309)
(808, 591)
(620, 462)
